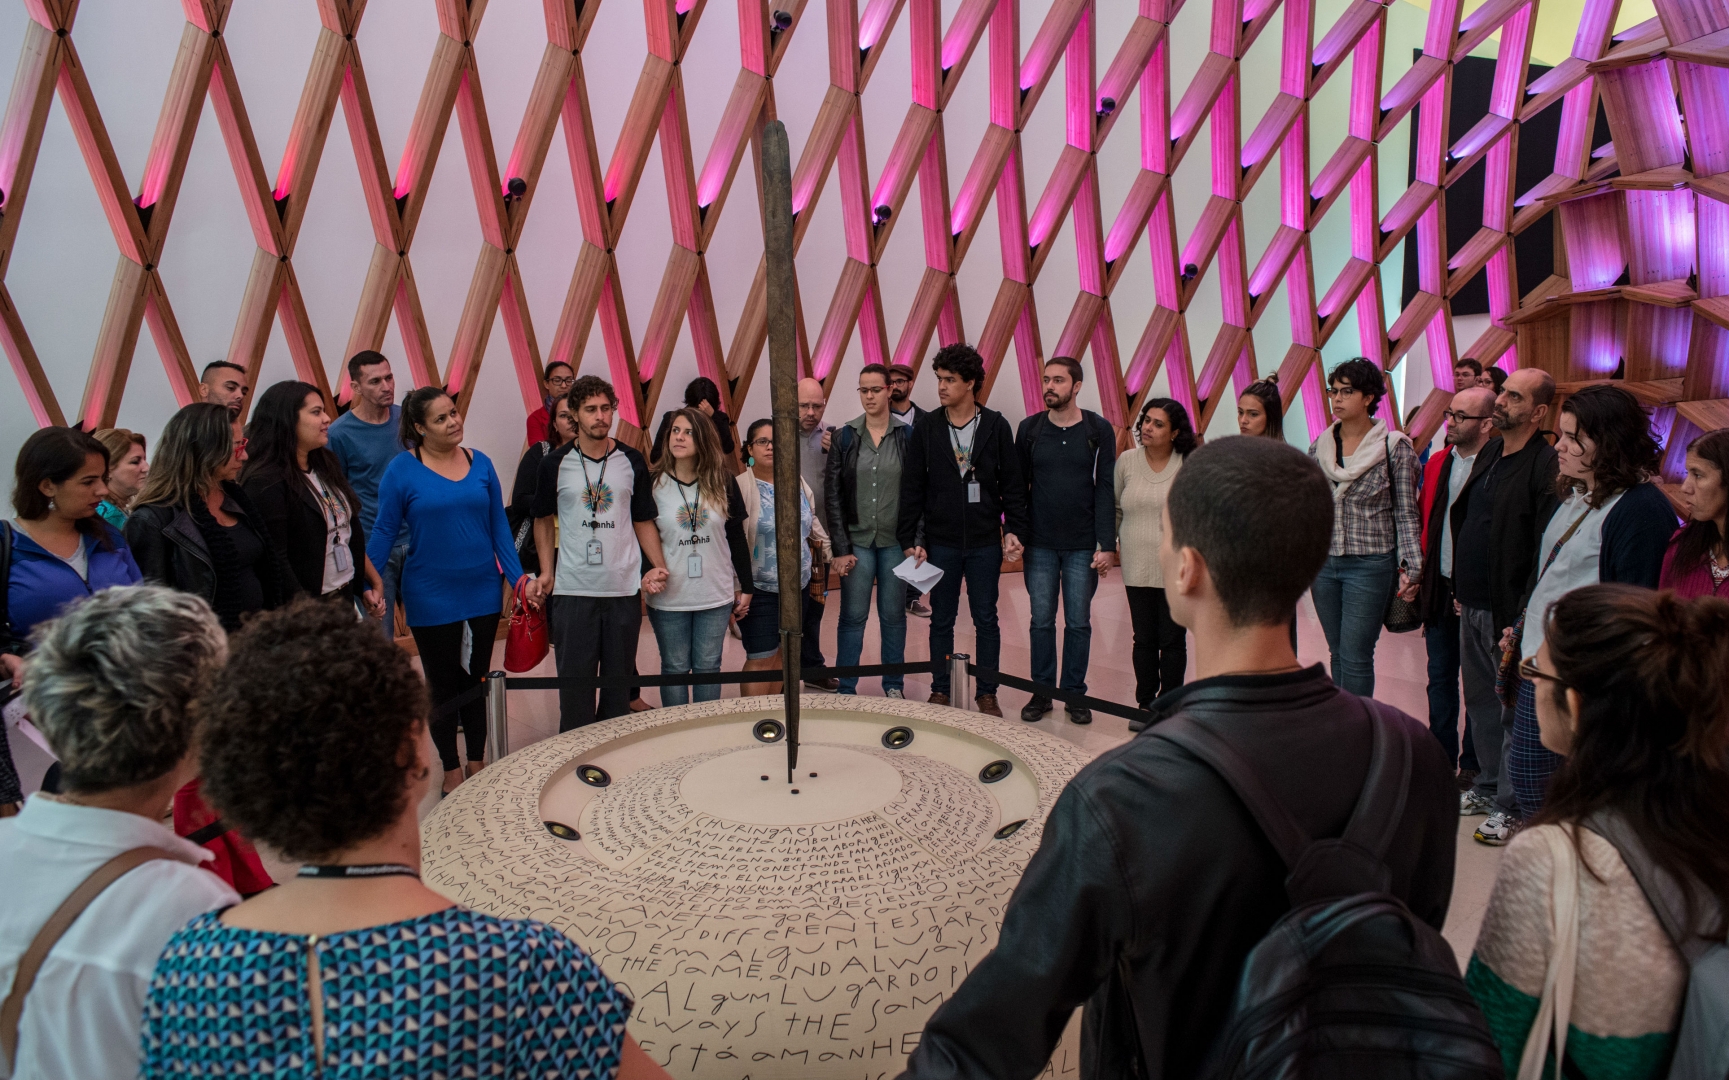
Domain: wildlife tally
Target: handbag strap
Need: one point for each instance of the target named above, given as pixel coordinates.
(56, 926)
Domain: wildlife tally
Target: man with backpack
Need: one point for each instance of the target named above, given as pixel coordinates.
(1067, 456)
(1155, 884)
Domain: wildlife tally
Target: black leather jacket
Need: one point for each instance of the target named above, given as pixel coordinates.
(170, 550)
(1152, 883)
(840, 482)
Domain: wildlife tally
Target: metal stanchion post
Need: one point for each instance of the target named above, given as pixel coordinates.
(960, 682)
(497, 718)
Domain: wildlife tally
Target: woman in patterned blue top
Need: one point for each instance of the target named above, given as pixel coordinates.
(313, 743)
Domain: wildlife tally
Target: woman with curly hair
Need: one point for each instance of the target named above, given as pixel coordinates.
(1613, 525)
(313, 738)
(194, 528)
(1142, 482)
(1377, 536)
(1697, 562)
(1629, 695)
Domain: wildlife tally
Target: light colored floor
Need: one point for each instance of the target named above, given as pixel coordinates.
(1401, 667)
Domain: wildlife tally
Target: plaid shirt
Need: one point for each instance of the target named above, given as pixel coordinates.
(1370, 519)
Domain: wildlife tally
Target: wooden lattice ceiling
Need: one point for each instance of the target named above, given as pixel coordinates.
(944, 48)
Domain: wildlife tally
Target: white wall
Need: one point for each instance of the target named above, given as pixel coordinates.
(65, 255)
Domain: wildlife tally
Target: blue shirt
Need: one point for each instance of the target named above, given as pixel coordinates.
(42, 583)
(457, 539)
(453, 993)
(364, 451)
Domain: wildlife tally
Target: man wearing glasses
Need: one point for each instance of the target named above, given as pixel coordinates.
(812, 467)
(1470, 424)
(558, 380)
(862, 510)
(901, 407)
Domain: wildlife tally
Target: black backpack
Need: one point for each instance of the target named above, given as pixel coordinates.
(1348, 985)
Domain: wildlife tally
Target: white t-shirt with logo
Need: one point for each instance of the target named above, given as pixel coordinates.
(597, 503)
(691, 529)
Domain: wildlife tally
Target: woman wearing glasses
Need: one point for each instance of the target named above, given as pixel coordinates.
(195, 529)
(1377, 546)
(557, 382)
(760, 627)
(1628, 694)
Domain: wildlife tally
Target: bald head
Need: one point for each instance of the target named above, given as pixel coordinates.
(811, 403)
(1524, 402)
(1470, 420)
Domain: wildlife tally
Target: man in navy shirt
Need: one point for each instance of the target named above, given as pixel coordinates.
(365, 439)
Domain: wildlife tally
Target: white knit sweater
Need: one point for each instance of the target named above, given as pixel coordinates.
(1141, 496)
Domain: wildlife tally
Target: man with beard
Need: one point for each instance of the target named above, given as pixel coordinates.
(1469, 427)
(1498, 518)
(1067, 456)
(224, 384)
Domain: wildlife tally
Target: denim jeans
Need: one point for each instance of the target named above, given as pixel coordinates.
(875, 566)
(391, 574)
(689, 641)
(1071, 572)
(980, 567)
(1350, 595)
(1442, 640)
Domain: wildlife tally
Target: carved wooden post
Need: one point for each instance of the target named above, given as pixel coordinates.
(783, 386)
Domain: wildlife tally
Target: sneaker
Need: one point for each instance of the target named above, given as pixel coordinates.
(987, 704)
(939, 698)
(916, 608)
(1080, 714)
(1466, 779)
(1472, 804)
(893, 694)
(1036, 709)
(826, 686)
(1497, 829)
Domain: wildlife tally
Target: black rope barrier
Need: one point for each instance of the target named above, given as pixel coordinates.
(1067, 697)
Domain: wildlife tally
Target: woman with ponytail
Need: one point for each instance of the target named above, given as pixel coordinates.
(1697, 562)
(1629, 691)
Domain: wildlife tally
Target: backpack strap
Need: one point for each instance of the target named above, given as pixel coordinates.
(1662, 891)
(56, 926)
(1287, 837)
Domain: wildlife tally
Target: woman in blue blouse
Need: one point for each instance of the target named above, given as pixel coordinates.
(311, 739)
(458, 539)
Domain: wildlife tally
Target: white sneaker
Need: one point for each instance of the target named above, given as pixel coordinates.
(1472, 804)
(1496, 830)
(893, 694)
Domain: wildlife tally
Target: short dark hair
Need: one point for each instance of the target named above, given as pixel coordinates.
(963, 362)
(214, 364)
(1072, 365)
(364, 359)
(1183, 439)
(1468, 362)
(414, 409)
(701, 389)
(590, 386)
(1260, 513)
(308, 733)
(546, 372)
(1627, 453)
(877, 369)
(1497, 376)
(1361, 375)
(54, 454)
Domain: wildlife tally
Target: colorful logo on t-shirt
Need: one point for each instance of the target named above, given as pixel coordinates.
(693, 518)
(597, 498)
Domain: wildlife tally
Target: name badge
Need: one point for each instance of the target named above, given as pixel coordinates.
(596, 556)
(343, 559)
(693, 566)
(973, 492)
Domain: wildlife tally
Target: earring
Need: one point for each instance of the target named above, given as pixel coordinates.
(749, 462)
(51, 504)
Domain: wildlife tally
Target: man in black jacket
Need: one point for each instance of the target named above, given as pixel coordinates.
(962, 480)
(1152, 881)
(1499, 519)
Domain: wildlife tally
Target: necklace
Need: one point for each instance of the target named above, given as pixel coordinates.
(361, 870)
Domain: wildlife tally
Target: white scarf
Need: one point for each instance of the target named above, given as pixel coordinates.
(1370, 453)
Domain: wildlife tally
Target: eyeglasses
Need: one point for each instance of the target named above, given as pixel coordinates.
(761, 442)
(563, 383)
(901, 381)
(811, 406)
(1459, 417)
(1342, 391)
(1529, 670)
(240, 445)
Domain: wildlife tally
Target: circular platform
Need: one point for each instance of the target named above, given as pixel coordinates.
(764, 928)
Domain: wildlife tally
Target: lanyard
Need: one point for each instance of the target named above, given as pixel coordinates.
(591, 488)
(690, 511)
(964, 453)
(335, 510)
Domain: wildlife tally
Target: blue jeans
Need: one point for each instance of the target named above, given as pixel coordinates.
(1047, 571)
(1350, 595)
(1442, 640)
(391, 574)
(874, 568)
(980, 567)
(689, 641)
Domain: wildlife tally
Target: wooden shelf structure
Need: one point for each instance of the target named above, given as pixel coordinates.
(1652, 207)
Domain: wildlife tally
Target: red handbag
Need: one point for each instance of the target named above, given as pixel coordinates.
(526, 645)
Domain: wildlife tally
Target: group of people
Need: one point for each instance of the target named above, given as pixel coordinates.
(1153, 882)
